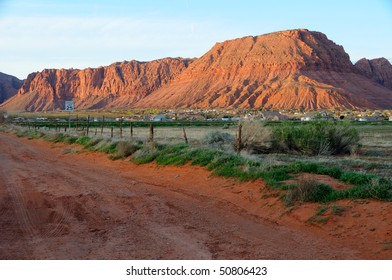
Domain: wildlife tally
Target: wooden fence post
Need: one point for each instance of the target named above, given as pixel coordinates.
(88, 124)
(111, 132)
(131, 129)
(121, 123)
(151, 138)
(102, 124)
(239, 140)
(77, 120)
(186, 138)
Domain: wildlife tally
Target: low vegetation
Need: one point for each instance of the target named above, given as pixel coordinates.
(275, 174)
(320, 138)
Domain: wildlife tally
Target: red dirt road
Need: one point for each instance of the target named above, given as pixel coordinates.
(58, 204)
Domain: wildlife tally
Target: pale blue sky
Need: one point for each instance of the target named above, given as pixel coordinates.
(62, 34)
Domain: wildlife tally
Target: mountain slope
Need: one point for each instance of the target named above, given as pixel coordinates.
(379, 69)
(116, 85)
(288, 69)
(292, 69)
(9, 86)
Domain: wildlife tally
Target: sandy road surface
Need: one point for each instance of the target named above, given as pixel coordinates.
(55, 204)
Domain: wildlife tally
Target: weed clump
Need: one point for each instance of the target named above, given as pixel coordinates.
(308, 190)
(146, 154)
(123, 150)
(217, 139)
(256, 138)
(323, 138)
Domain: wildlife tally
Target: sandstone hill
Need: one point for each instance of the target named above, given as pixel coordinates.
(9, 86)
(282, 70)
(288, 69)
(379, 69)
(116, 85)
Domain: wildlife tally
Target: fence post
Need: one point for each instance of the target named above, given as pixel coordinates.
(239, 142)
(88, 124)
(95, 131)
(102, 124)
(121, 123)
(131, 129)
(111, 132)
(151, 138)
(77, 120)
(186, 138)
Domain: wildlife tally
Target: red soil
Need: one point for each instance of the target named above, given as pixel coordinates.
(57, 204)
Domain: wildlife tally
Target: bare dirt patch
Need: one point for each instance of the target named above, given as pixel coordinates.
(63, 205)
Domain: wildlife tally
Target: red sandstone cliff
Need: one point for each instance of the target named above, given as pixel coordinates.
(288, 69)
(9, 86)
(116, 85)
(379, 69)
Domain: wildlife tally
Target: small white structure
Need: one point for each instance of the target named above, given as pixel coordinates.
(390, 118)
(159, 118)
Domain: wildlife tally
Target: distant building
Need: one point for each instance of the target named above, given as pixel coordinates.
(314, 116)
(273, 116)
(159, 118)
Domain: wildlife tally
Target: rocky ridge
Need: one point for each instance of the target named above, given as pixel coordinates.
(292, 69)
(379, 70)
(9, 86)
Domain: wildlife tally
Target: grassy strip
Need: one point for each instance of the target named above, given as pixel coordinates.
(233, 166)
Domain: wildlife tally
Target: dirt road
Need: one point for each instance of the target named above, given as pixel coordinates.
(60, 203)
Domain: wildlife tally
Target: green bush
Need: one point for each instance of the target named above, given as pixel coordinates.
(124, 149)
(146, 154)
(309, 190)
(255, 137)
(217, 139)
(321, 138)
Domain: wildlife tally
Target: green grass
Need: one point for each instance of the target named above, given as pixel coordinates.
(233, 166)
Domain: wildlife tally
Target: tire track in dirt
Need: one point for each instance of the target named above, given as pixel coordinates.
(74, 206)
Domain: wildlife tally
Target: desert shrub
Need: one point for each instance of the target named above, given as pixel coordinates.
(323, 138)
(70, 139)
(203, 157)
(342, 139)
(309, 190)
(256, 137)
(177, 155)
(102, 143)
(105, 146)
(57, 137)
(374, 188)
(146, 154)
(83, 140)
(356, 178)
(124, 149)
(217, 139)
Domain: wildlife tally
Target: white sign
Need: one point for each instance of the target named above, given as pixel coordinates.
(69, 106)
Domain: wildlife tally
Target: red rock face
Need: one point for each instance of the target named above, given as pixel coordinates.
(9, 86)
(282, 70)
(288, 69)
(116, 85)
(379, 69)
